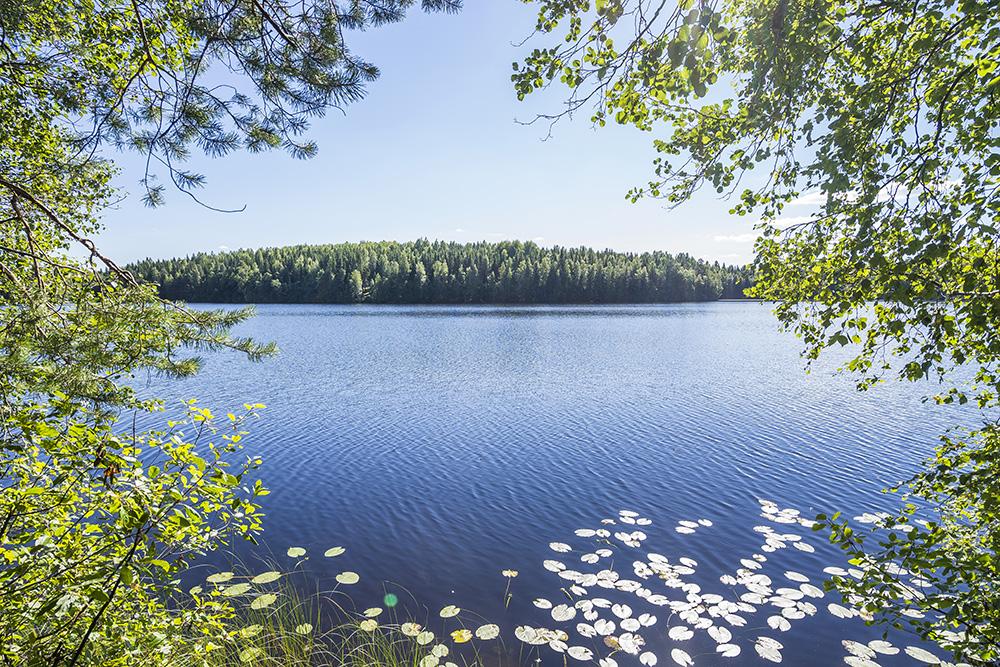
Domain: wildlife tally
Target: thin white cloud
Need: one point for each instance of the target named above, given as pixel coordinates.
(814, 198)
(790, 221)
(749, 237)
(459, 230)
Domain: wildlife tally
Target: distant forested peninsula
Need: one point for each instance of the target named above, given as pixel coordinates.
(441, 272)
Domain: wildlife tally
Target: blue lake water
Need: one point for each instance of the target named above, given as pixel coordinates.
(441, 445)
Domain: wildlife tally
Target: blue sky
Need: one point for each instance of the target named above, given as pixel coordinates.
(435, 151)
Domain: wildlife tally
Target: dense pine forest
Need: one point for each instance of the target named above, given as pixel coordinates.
(441, 272)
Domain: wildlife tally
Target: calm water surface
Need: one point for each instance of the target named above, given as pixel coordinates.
(443, 444)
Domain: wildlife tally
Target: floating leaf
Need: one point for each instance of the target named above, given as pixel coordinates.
(883, 647)
(450, 611)
(348, 578)
(296, 552)
(768, 648)
(580, 653)
(334, 551)
(251, 631)
(368, 625)
(266, 577)
(425, 637)
(648, 659)
(304, 628)
(488, 632)
(262, 601)
(779, 623)
(461, 636)
(510, 574)
(839, 611)
(681, 658)
(250, 654)
(440, 650)
(219, 577)
(563, 612)
(728, 650)
(410, 629)
(429, 661)
(372, 612)
(236, 589)
(922, 655)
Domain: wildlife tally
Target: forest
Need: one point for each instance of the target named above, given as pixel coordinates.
(441, 272)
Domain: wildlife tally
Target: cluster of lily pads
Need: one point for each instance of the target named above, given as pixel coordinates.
(418, 645)
(609, 611)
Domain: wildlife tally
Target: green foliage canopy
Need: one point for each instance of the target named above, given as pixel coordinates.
(98, 518)
(885, 115)
(440, 272)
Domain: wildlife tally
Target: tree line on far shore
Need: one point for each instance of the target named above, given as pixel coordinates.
(441, 272)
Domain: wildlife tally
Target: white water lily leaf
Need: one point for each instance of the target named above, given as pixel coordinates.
(768, 648)
(580, 653)
(839, 611)
(372, 612)
(563, 612)
(604, 627)
(553, 565)
(607, 662)
(368, 625)
(235, 589)
(779, 623)
(219, 577)
(648, 659)
(720, 634)
(296, 552)
(681, 658)
(542, 603)
(883, 647)
(262, 601)
(858, 649)
(410, 629)
(488, 632)
(250, 654)
(430, 661)
(304, 628)
(559, 547)
(621, 611)
(333, 552)
(449, 611)
(586, 630)
(266, 577)
(348, 578)
(922, 655)
(525, 633)
(858, 661)
(425, 637)
(728, 650)
(680, 633)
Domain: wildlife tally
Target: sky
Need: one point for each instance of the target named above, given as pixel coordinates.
(435, 150)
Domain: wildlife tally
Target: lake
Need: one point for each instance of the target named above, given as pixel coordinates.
(441, 445)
